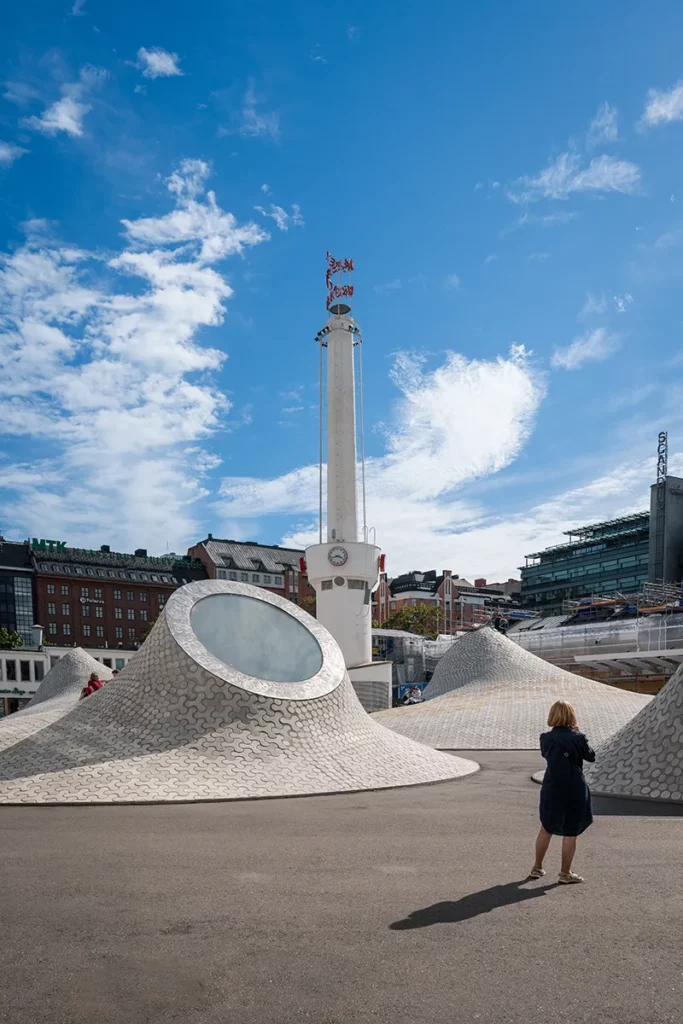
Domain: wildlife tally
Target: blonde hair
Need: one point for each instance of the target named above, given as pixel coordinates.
(562, 713)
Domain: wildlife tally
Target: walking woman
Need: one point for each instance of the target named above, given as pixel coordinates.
(565, 797)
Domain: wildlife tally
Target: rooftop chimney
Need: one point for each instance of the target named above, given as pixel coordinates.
(480, 583)
(105, 549)
(141, 552)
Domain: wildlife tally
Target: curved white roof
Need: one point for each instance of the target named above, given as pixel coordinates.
(488, 693)
(183, 724)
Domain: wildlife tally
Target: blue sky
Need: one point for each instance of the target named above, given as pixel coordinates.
(508, 181)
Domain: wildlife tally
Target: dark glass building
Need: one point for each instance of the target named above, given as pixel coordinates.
(16, 588)
(598, 559)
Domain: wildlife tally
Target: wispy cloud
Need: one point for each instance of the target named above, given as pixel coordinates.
(538, 257)
(266, 189)
(598, 304)
(492, 256)
(388, 287)
(289, 409)
(663, 106)
(283, 220)
(158, 63)
(77, 9)
(604, 128)
(316, 55)
(352, 32)
(592, 347)
(20, 93)
(68, 113)
(453, 282)
(565, 175)
(546, 220)
(9, 153)
(255, 122)
(631, 396)
(194, 220)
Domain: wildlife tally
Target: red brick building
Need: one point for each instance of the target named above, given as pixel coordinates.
(103, 598)
(262, 565)
(460, 604)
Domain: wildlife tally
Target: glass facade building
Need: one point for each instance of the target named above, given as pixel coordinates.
(598, 560)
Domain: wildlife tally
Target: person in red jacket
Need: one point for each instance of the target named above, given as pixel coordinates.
(94, 683)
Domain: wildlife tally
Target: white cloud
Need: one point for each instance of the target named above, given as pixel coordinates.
(77, 9)
(591, 347)
(9, 153)
(105, 375)
(266, 189)
(352, 31)
(158, 63)
(564, 176)
(388, 287)
(293, 408)
(20, 93)
(453, 282)
(67, 114)
(316, 55)
(595, 305)
(255, 122)
(662, 106)
(195, 221)
(622, 302)
(491, 258)
(283, 220)
(538, 257)
(604, 127)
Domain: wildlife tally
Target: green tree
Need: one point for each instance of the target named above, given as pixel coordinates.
(308, 605)
(10, 641)
(417, 618)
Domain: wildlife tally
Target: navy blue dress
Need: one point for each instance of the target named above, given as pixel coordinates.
(565, 796)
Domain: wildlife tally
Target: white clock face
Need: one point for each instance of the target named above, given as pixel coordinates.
(337, 556)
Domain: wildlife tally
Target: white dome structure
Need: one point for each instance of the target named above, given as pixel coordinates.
(57, 694)
(644, 760)
(489, 693)
(236, 693)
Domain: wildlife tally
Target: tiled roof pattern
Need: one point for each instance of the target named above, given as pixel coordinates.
(251, 557)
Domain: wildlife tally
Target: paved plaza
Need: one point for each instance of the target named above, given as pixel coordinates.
(391, 907)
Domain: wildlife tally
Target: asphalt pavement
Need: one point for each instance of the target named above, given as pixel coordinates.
(398, 906)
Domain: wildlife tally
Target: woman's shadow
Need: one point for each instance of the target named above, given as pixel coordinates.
(450, 911)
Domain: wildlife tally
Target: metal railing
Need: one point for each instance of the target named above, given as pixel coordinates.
(562, 644)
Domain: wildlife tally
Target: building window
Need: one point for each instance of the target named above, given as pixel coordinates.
(100, 630)
(111, 574)
(78, 570)
(131, 613)
(119, 663)
(55, 568)
(86, 630)
(130, 595)
(65, 589)
(161, 598)
(143, 614)
(66, 629)
(44, 567)
(122, 575)
(266, 579)
(98, 592)
(85, 608)
(244, 576)
(117, 595)
(25, 671)
(51, 608)
(131, 632)
(85, 592)
(118, 613)
(232, 575)
(66, 610)
(255, 577)
(392, 606)
(52, 627)
(143, 595)
(155, 578)
(144, 575)
(50, 588)
(278, 581)
(119, 632)
(221, 574)
(99, 611)
(90, 572)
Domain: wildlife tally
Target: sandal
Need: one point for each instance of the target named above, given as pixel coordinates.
(569, 878)
(537, 873)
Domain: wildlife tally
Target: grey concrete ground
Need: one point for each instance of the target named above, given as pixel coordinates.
(397, 906)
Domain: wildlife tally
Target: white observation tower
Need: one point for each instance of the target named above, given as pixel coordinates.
(345, 570)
